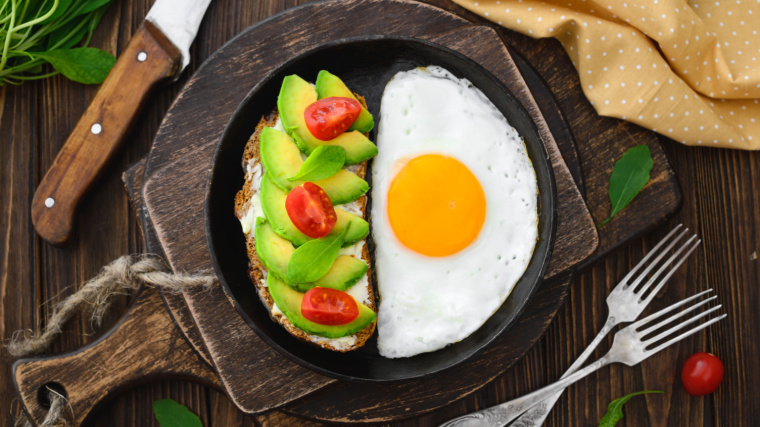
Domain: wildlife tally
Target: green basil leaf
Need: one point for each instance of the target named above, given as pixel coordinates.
(84, 64)
(314, 258)
(172, 414)
(629, 176)
(615, 408)
(323, 162)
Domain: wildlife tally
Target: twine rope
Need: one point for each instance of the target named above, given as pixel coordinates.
(57, 416)
(126, 273)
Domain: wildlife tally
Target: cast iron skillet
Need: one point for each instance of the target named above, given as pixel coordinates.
(365, 64)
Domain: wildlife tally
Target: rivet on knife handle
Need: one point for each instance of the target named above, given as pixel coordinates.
(148, 58)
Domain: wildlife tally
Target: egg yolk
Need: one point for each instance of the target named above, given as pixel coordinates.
(436, 206)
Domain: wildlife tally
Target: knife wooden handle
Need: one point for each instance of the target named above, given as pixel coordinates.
(148, 58)
(144, 346)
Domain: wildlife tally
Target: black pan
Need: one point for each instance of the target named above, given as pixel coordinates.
(365, 64)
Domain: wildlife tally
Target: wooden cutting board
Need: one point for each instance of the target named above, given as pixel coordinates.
(182, 150)
(179, 220)
(296, 30)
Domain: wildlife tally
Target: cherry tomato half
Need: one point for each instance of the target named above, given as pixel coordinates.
(311, 210)
(702, 374)
(330, 117)
(329, 306)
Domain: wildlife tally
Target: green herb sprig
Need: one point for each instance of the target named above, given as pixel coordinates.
(615, 408)
(323, 162)
(38, 32)
(629, 176)
(314, 258)
(170, 413)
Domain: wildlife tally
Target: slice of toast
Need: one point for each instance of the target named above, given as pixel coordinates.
(257, 271)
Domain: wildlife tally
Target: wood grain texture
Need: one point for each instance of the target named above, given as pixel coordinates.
(412, 395)
(479, 371)
(255, 375)
(36, 120)
(186, 237)
(88, 151)
(175, 194)
(134, 180)
(719, 202)
(115, 362)
(345, 402)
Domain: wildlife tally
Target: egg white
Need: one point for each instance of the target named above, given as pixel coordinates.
(426, 302)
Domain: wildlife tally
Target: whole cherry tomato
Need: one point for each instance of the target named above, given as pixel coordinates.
(702, 373)
(330, 117)
(328, 306)
(311, 210)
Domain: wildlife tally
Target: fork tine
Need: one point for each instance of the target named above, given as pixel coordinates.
(659, 257)
(668, 309)
(683, 324)
(676, 316)
(670, 260)
(686, 334)
(650, 254)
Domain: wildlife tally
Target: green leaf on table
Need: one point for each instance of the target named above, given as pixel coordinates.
(628, 177)
(84, 64)
(615, 408)
(314, 258)
(172, 414)
(323, 162)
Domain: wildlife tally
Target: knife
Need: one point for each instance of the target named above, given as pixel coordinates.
(159, 50)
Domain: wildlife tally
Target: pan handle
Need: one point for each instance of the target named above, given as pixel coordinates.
(143, 346)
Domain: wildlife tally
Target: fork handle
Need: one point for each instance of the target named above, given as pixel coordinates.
(537, 415)
(500, 415)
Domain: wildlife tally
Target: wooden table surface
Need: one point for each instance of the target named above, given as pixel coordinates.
(721, 204)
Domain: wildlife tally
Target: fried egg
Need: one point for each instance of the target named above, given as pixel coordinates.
(454, 211)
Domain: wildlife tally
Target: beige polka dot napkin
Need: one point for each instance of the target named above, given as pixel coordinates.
(687, 70)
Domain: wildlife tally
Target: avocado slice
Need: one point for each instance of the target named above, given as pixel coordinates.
(295, 95)
(331, 85)
(282, 160)
(274, 252)
(289, 301)
(273, 204)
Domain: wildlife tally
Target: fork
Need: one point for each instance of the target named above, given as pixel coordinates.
(624, 305)
(631, 345)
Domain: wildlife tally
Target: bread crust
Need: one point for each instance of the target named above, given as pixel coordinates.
(257, 272)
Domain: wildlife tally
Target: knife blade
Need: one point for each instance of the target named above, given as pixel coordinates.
(158, 51)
